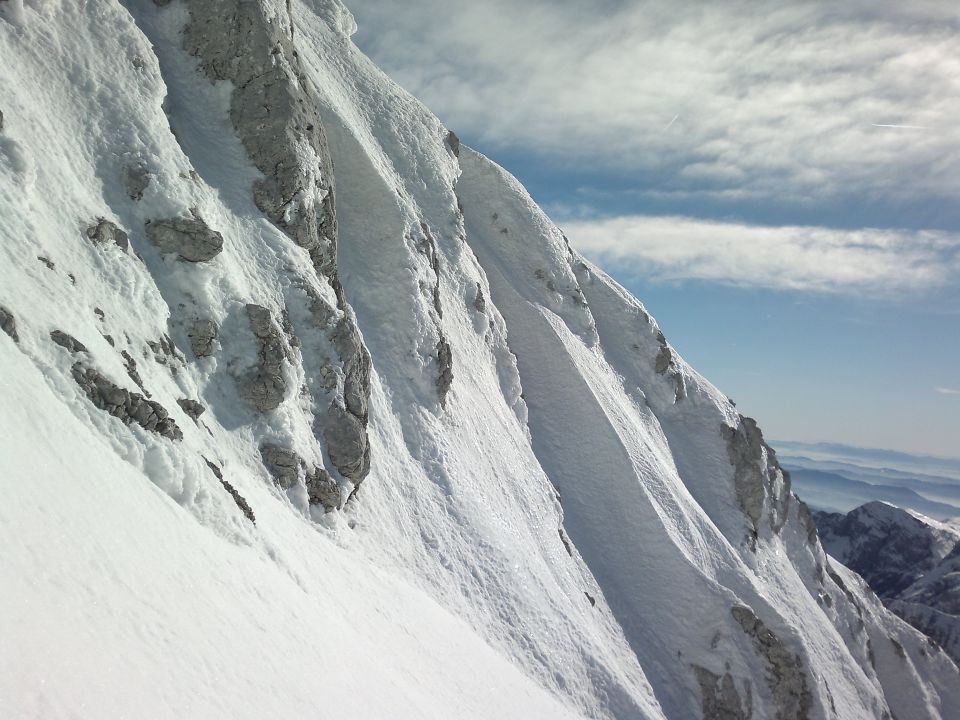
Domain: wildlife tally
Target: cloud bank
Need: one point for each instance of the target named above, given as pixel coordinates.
(794, 101)
(814, 259)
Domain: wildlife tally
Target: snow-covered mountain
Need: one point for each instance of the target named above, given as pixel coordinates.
(911, 561)
(309, 410)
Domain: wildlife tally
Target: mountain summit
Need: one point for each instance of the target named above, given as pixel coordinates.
(308, 410)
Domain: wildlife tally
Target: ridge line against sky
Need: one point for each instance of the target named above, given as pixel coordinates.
(778, 182)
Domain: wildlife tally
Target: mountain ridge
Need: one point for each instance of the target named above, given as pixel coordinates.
(544, 479)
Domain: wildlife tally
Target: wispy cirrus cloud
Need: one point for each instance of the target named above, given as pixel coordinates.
(803, 258)
(779, 101)
(948, 391)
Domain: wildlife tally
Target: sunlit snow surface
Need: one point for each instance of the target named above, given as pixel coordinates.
(130, 583)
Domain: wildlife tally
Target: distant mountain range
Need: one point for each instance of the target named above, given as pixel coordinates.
(839, 478)
(882, 461)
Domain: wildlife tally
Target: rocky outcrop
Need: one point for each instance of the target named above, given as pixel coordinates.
(104, 232)
(265, 387)
(479, 301)
(786, 677)
(720, 698)
(129, 407)
(135, 179)
(201, 334)
(130, 365)
(275, 113)
(758, 476)
(322, 489)
(165, 352)
(289, 469)
(68, 342)
(8, 324)
(274, 110)
(189, 238)
(347, 444)
(445, 376)
(355, 361)
(666, 364)
(237, 497)
(192, 408)
(284, 465)
(453, 142)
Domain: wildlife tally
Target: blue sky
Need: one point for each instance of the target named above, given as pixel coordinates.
(778, 182)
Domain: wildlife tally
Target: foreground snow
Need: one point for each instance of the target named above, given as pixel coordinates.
(566, 532)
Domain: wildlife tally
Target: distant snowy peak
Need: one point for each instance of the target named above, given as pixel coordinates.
(911, 561)
(890, 547)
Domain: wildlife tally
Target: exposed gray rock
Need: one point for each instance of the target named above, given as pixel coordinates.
(720, 699)
(806, 519)
(347, 444)
(664, 359)
(67, 341)
(191, 239)
(786, 676)
(165, 352)
(284, 465)
(192, 408)
(8, 324)
(356, 366)
(265, 387)
(288, 469)
(321, 312)
(46, 261)
(479, 302)
(274, 110)
(105, 232)
(322, 489)
(445, 378)
(129, 407)
(131, 366)
(201, 335)
(453, 142)
(237, 497)
(757, 474)
(136, 178)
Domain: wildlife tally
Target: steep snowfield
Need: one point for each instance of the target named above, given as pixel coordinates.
(561, 518)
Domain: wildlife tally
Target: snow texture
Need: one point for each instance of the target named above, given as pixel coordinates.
(558, 516)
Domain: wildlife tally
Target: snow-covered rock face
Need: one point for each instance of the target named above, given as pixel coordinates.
(243, 272)
(909, 560)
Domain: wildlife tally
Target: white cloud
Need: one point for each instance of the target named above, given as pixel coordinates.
(795, 100)
(798, 258)
(948, 391)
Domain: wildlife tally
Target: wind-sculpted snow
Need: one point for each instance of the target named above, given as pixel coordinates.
(557, 517)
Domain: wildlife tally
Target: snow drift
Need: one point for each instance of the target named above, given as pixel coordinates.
(309, 410)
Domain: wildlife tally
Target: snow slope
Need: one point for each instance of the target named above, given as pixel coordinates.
(561, 518)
